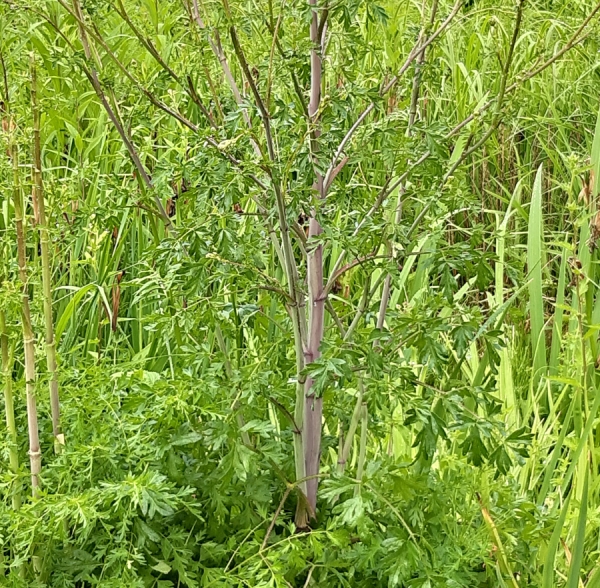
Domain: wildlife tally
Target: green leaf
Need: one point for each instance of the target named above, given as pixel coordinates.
(70, 309)
(162, 567)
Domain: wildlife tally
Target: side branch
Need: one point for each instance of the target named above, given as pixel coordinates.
(574, 40)
(414, 53)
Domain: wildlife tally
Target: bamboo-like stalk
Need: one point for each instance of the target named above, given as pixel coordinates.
(35, 455)
(9, 408)
(38, 191)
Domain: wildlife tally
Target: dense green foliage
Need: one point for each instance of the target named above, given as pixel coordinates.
(466, 401)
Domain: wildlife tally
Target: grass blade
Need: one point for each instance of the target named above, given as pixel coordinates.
(549, 563)
(558, 314)
(535, 262)
(574, 570)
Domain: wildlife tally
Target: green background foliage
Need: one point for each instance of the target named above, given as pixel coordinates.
(476, 464)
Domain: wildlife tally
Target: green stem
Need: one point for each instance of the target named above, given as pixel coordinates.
(13, 455)
(345, 452)
(35, 455)
(362, 454)
(38, 191)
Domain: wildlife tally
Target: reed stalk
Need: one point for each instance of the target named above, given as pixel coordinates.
(35, 455)
(9, 408)
(38, 191)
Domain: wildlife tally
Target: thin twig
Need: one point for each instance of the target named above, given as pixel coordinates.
(257, 97)
(149, 46)
(276, 515)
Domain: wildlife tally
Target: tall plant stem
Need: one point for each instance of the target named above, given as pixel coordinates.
(7, 365)
(38, 191)
(313, 404)
(35, 455)
(296, 307)
(297, 316)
